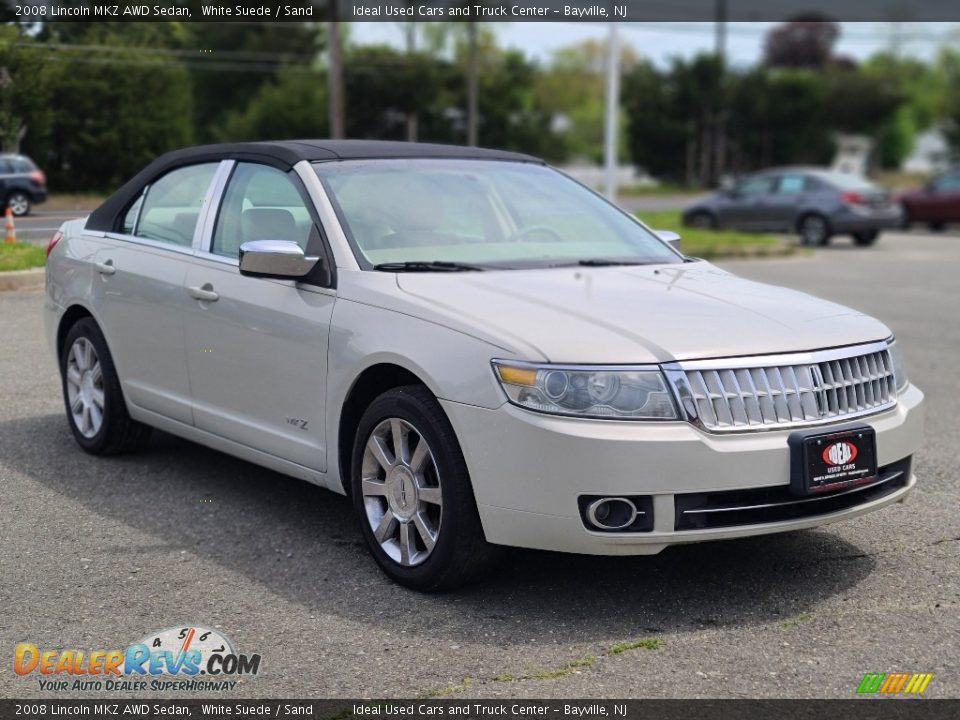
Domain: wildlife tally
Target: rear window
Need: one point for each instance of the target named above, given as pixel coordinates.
(23, 165)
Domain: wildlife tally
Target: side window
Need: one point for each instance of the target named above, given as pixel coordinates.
(130, 219)
(22, 165)
(792, 184)
(755, 186)
(171, 208)
(261, 203)
(6, 167)
(947, 183)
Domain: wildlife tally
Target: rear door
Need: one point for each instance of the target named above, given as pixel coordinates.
(257, 347)
(138, 289)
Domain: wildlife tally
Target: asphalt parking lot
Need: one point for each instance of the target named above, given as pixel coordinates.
(99, 552)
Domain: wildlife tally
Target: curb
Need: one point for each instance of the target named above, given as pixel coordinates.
(31, 279)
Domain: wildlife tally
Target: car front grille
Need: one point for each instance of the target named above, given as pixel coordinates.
(733, 508)
(770, 392)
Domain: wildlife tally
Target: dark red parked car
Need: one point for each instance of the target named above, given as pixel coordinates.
(936, 204)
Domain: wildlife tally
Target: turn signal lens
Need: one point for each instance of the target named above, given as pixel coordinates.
(611, 393)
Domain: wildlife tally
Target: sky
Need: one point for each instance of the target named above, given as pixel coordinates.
(661, 41)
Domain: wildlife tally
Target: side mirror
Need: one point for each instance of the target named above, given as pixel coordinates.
(670, 238)
(275, 259)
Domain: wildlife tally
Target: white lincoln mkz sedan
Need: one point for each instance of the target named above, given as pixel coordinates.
(475, 348)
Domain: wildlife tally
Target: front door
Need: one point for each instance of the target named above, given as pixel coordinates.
(257, 347)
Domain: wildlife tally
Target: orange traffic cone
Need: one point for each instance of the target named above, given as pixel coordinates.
(11, 229)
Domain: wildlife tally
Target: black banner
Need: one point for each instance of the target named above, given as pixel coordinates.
(446, 709)
(592, 11)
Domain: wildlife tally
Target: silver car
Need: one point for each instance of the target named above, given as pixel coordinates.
(476, 349)
(815, 203)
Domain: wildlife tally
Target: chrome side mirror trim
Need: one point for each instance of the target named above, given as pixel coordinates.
(275, 259)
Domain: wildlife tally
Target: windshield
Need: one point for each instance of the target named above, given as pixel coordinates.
(482, 213)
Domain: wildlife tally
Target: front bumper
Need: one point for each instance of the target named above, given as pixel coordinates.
(528, 471)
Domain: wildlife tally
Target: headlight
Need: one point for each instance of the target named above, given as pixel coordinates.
(899, 366)
(591, 392)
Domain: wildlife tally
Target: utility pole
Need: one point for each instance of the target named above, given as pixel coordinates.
(472, 91)
(720, 29)
(611, 114)
(335, 73)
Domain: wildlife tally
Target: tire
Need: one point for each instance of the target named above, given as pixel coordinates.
(702, 219)
(84, 379)
(866, 238)
(814, 230)
(393, 504)
(936, 226)
(19, 203)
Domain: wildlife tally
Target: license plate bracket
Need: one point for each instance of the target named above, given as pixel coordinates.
(834, 460)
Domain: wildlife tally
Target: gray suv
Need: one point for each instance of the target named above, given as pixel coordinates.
(813, 202)
(22, 183)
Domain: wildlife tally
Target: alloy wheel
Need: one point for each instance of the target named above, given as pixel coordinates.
(85, 392)
(401, 491)
(19, 204)
(814, 230)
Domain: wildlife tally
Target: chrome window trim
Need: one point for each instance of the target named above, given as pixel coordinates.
(189, 251)
(203, 233)
(676, 376)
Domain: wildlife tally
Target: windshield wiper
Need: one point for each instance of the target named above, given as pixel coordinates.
(603, 262)
(426, 266)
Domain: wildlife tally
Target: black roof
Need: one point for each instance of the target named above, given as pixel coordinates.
(284, 154)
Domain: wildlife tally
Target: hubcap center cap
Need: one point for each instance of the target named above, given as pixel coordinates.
(402, 492)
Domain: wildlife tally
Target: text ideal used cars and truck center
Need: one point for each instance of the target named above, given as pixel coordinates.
(478, 350)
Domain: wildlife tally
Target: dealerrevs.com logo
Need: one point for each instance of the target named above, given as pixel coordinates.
(190, 657)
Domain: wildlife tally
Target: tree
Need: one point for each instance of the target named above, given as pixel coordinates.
(294, 105)
(806, 41)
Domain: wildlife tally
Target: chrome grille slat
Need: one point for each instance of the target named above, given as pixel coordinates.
(745, 394)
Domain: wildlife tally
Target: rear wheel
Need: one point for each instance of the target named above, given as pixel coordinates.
(814, 230)
(412, 493)
(936, 226)
(703, 220)
(95, 406)
(866, 238)
(19, 203)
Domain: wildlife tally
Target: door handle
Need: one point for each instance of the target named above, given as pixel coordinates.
(106, 268)
(205, 293)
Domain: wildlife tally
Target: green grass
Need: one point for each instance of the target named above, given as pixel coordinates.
(711, 244)
(794, 622)
(657, 190)
(642, 643)
(21, 256)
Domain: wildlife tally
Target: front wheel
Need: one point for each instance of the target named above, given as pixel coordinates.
(412, 493)
(866, 238)
(96, 409)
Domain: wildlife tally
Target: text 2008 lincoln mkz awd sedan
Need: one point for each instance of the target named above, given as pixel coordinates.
(475, 348)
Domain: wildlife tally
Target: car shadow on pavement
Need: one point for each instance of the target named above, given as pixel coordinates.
(301, 542)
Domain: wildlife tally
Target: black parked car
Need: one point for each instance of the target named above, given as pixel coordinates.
(22, 183)
(815, 203)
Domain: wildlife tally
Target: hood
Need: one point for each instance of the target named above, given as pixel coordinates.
(635, 314)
